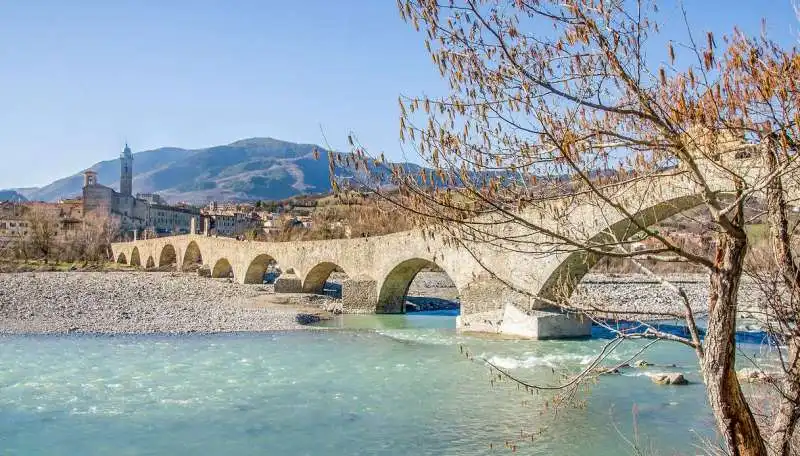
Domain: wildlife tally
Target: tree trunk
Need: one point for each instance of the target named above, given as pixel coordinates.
(779, 222)
(786, 419)
(735, 421)
(787, 414)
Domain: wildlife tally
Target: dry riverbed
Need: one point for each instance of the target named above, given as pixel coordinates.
(139, 302)
(163, 302)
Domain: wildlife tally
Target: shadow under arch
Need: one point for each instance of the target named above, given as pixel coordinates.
(222, 269)
(168, 256)
(393, 293)
(318, 275)
(135, 258)
(258, 268)
(150, 263)
(121, 259)
(192, 257)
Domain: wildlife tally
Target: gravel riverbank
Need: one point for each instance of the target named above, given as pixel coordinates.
(636, 296)
(151, 302)
(137, 302)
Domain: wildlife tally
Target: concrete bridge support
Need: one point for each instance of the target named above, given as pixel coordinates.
(490, 306)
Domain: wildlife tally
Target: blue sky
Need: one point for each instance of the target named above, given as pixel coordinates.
(78, 78)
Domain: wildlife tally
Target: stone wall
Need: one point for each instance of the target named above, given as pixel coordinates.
(359, 295)
(288, 283)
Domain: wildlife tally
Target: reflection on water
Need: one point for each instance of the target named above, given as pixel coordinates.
(401, 388)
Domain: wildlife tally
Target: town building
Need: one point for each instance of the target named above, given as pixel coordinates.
(143, 213)
(133, 213)
(271, 224)
(12, 222)
(152, 198)
(18, 220)
(166, 219)
(231, 219)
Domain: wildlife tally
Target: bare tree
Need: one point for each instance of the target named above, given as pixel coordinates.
(556, 113)
(43, 226)
(96, 234)
(44, 231)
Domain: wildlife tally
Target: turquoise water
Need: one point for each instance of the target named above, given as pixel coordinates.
(402, 387)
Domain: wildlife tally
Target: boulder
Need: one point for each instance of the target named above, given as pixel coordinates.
(640, 363)
(669, 379)
(204, 271)
(607, 371)
(306, 319)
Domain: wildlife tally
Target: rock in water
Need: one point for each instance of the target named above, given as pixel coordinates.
(307, 319)
(669, 379)
(640, 363)
(607, 371)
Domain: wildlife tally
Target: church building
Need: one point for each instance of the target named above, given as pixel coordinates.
(134, 213)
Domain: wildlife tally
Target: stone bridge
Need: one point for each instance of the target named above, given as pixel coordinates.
(381, 268)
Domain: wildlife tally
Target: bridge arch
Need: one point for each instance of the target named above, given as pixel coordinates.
(395, 286)
(168, 256)
(150, 262)
(192, 257)
(568, 271)
(257, 268)
(317, 277)
(222, 269)
(121, 259)
(135, 258)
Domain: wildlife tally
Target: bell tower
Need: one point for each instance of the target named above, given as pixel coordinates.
(126, 172)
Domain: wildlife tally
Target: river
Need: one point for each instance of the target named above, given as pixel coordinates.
(380, 385)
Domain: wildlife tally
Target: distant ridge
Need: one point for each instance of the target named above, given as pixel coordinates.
(11, 196)
(248, 169)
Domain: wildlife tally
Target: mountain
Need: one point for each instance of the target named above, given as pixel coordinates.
(250, 169)
(11, 195)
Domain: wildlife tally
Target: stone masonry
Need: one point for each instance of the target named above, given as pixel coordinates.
(508, 291)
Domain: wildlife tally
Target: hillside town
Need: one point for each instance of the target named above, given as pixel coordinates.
(148, 215)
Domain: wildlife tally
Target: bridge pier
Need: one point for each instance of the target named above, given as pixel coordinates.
(534, 324)
(488, 294)
(487, 305)
(359, 295)
(288, 282)
(544, 324)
